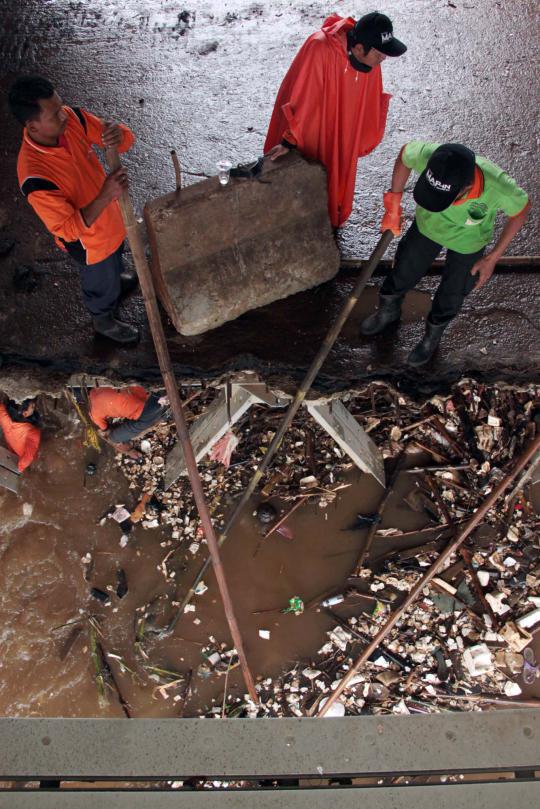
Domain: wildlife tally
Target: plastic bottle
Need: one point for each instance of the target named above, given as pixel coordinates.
(331, 602)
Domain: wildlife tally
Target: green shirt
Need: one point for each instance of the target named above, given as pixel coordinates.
(466, 227)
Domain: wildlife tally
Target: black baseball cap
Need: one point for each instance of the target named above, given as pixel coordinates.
(375, 30)
(449, 170)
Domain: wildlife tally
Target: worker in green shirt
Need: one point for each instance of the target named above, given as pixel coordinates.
(458, 196)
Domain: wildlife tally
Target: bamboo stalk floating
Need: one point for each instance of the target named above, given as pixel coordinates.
(384, 502)
(415, 470)
(301, 393)
(165, 364)
(511, 703)
(438, 565)
(524, 479)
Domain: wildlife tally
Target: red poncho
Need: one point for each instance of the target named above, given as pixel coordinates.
(334, 113)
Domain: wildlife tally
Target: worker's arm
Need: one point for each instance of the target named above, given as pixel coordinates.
(392, 199)
(99, 420)
(31, 447)
(112, 189)
(106, 134)
(485, 266)
(400, 175)
(59, 216)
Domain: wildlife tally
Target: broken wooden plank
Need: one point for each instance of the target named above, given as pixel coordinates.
(334, 417)
(263, 395)
(9, 480)
(9, 460)
(9, 471)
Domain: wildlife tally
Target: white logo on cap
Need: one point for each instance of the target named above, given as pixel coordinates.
(386, 37)
(437, 183)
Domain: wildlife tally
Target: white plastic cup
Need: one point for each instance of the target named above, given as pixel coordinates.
(224, 169)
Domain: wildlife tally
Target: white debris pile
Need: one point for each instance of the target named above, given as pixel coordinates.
(466, 640)
(307, 448)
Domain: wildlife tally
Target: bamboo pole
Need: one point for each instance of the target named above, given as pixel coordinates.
(308, 380)
(162, 351)
(177, 171)
(439, 563)
(380, 511)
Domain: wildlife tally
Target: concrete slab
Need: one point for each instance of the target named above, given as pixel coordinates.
(219, 251)
(8, 460)
(334, 417)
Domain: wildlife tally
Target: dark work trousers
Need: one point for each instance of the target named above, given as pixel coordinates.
(101, 283)
(131, 428)
(414, 257)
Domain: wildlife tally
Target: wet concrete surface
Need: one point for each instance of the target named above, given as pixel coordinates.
(142, 62)
(496, 336)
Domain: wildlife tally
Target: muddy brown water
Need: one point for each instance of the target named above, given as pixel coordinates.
(54, 522)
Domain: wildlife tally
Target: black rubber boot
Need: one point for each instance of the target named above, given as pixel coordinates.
(108, 326)
(388, 312)
(424, 350)
(128, 282)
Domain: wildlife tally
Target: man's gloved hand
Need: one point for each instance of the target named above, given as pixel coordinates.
(393, 212)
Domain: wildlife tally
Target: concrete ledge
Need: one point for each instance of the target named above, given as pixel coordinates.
(510, 795)
(145, 749)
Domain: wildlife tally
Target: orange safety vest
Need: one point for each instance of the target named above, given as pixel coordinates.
(109, 403)
(21, 437)
(59, 180)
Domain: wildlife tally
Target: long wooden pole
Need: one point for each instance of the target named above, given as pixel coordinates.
(439, 563)
(164, 359)
(308, 380)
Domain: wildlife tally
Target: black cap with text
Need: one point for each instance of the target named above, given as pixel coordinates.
(450, 169)
(375, 30)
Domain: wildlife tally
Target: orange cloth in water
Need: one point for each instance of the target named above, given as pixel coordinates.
(21, 437)
(109, 403)
(332, 112)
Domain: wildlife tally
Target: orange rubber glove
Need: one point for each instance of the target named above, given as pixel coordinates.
(393, 212)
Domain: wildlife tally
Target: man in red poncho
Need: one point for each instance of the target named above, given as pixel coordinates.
(331, 104)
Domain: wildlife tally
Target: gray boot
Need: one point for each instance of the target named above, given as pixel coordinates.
(108, 326)
(388, 312)
(424, 350)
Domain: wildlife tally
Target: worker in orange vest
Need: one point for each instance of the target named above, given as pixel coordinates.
(61, 177)
(132, 409)
(19, 423)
